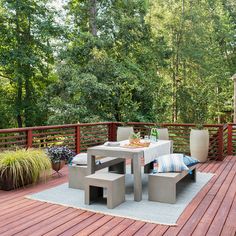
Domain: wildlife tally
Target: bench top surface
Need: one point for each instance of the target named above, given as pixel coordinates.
(174, 174)
(105, 176)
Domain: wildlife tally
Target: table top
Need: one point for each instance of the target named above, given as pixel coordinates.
(122, 146)
(124, 151)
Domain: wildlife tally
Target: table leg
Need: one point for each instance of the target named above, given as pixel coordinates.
(91, 164)
(137, 178)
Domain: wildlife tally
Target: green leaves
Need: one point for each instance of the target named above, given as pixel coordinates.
(116, 60)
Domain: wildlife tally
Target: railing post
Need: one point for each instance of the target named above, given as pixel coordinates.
(77, 139)
(29, 134)
(220, 144)
(230, 141)
(112, 131)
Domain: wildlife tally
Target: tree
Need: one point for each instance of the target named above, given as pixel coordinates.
(27, 29)
(200, 35)
(112, 45)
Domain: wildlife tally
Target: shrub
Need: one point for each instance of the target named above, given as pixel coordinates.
(21, 167)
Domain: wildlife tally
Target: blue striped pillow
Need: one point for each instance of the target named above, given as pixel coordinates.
(190, 161)
(171, 163)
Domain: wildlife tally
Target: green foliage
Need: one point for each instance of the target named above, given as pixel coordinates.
(27, 29)
(112, 74)
(201, 37)
(135, 135)
(24, 166)
(116, 60)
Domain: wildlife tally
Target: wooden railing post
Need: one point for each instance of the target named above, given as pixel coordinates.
(230, 141)
(29, 134)
(220, 144)
(112, 131)
(77, 139)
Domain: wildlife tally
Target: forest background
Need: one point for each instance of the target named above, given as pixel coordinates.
(116, 60)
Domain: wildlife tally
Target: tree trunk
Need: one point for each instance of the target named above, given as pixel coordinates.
(18, 98)
(92, 17)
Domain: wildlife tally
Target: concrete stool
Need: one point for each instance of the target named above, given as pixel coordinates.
(162, 186)
(114, 183)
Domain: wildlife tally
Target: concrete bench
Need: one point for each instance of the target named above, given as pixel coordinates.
(113, 183)
(162, 186)
(77, 173)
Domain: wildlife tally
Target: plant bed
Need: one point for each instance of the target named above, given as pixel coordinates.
(22, 167)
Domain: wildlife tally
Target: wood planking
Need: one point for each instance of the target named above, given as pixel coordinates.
(194, 205)
(223, 197)
(132, 229)
(108, 226)
(231, 219)
(116, 230)
(210, 204)
(145, 230)
(94, 226)
(217, 199)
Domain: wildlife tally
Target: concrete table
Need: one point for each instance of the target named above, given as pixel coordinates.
(136, 154)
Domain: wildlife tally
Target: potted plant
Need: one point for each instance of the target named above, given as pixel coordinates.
(199, 141)
(135, 137)
(59, 156)
(21, 167)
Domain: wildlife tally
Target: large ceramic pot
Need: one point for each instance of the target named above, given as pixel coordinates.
(58, 165)
(7, 182)
(199, 144)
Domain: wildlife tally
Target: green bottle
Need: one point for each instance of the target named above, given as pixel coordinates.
(154, 134)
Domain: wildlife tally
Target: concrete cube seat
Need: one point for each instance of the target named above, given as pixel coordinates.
(113, 183)
(162, 186)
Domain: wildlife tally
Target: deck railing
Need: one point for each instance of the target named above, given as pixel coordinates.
(231, 142)
(81, 136)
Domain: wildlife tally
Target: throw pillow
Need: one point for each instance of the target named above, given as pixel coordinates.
(190, 161)
(171, 163)
(80, 159)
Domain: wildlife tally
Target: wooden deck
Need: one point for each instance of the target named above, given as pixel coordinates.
(212, 211)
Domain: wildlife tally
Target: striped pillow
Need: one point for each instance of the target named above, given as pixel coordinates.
(190, 161)
(171, 163)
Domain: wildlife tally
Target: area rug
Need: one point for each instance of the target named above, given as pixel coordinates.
(145, 210)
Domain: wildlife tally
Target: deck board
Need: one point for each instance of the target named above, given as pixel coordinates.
(211, 212)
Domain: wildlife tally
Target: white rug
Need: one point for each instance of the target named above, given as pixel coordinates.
(145, 210)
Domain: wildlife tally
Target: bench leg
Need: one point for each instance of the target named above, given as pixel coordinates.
(161, 190)
(194, 175)
(76, 176)
(116, 193)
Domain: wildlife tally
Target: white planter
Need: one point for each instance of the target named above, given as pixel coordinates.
(163, 134)
(199, 144)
